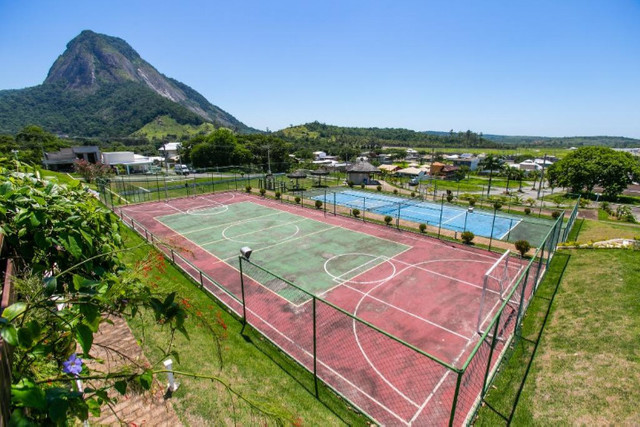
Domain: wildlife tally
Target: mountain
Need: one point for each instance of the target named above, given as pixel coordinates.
(100, 86)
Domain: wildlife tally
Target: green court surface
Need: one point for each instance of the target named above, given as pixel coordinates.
(313, 255)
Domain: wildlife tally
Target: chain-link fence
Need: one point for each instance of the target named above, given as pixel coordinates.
(392, 381)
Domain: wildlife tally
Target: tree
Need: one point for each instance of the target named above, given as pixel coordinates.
(490, 163)
(586, 167)
(91, 171)
(33, 141)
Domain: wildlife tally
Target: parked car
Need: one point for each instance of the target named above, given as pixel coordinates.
(413, 181)
(182, 169)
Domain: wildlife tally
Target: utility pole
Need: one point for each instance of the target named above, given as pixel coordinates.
(544, 165)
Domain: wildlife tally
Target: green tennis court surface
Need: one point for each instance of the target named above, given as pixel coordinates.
(314, 255)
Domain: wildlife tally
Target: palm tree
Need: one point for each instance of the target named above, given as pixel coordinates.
(535, 174)
(490, 163)
(519, 175)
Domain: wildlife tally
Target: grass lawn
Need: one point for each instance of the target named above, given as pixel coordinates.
(249, 364)
(586, 367)
(603, 230)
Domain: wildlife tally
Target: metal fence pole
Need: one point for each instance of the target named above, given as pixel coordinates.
(493, 223)
(493, 345)
(315, 346)
(398, 216)
(334, 203)
(522, 298)
(441, 209)
(454, 404)
(244, 304)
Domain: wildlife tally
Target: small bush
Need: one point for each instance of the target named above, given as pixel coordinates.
(379, 188)
(467, 237)
(422, 227)
(262, 192)
(356, 212)
(527, 211)
(413, 194)
(449, 198)
(472, 201)
(583, 203)
(522, 246)
(497, 205)
(278, 195)
(297, 199)
(247, 189)
(388, 219)
(395, 191)
(555, 214)
(318, 204)
(362, 185)
(350, 184)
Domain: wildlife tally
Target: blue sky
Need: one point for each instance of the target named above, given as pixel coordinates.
(548, 68)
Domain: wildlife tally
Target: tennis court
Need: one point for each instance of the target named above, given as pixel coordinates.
(380, 315)
(482, 223)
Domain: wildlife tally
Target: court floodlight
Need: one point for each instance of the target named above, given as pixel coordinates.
(245, 251)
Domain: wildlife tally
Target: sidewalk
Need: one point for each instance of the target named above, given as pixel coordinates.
(132, 409)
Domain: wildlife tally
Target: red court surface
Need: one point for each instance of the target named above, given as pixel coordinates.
(427, 296)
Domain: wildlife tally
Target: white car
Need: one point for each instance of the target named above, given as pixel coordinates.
(182, 169)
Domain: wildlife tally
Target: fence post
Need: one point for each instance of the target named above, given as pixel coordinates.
(398, 216)
(244, 304)
(173, 258)
(522, 299)
(334, 203)
(166, 193)
(464, 227)
(324, 206)
(440, 221)
(510, 227)
(493, 224)
(493, 345)
(201, 281)
(455, 398)
(315, 346)
(364, 207)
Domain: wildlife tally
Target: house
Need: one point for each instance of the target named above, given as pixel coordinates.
(385, 159)
(171, 151)
(361, 173)
(529, 165)
(412, 171)
(64, 159)
(470, 162)
(411, 154)
(133, 163)
(389, 168)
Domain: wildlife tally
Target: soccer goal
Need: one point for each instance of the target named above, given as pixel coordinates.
(495, 288)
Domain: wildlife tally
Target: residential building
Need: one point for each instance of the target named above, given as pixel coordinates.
(470, 162)
(361, 172)
(133, 163)
(64, 159)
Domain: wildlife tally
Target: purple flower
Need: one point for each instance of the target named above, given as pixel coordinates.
(73, 365)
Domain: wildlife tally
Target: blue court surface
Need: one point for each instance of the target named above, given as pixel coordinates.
(456, 218)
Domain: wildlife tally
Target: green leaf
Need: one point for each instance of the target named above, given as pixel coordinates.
(94, 407)
(25, 339)
(121, 386)
(169, 299)
(58, 410)
(28, 394)
(145, 379)
(10, 335)
(50, 285)
(34, 328)
(84, 335)
(14, 310)
(74, 247)
(90, 312)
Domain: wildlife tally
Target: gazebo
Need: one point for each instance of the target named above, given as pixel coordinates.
(297, 175)
(360, 173)
(319, 174)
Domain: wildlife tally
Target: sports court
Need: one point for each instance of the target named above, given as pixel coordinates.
(389, 310)
(497, 225)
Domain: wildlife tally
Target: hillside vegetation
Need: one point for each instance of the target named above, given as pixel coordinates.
(164, 127)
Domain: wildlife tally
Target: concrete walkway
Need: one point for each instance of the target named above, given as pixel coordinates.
(117, 347)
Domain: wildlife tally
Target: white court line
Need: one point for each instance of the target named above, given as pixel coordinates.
(331, 369)
(224, 238)
(509, 230)
(376, 258)
(451, 219)
(232, 223)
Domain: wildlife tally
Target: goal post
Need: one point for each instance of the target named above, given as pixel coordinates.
(495, 286)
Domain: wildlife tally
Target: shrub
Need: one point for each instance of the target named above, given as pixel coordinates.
(262, 192)
(350, 184)
(356, 212)
(395, 191)
(449, 198)
(583, 203)
(605, 207)
(530, 201)
(379, 188)
(362, 185)
(318, 204)
(278, 195)
(467, 237)
(555, 214)
(497, 205)
(388, 219)
(527, 211)
(522, 246)
(422, 227)
(247, 189)
(413, 194)
(297, 199)
(472, 201)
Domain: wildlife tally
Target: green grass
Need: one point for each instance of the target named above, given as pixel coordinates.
(251, 365)
(585, 368)
(167, 125)
(595, 231)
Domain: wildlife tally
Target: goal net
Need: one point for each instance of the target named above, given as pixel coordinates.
(495, 288)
